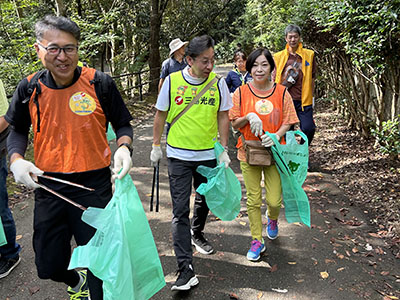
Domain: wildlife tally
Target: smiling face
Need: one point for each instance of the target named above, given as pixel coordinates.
(202, 65)
(61, 66)
(261, 71)
(293, 40)
(241, 64)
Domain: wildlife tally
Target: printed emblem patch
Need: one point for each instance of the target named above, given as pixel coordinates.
(181, 90)
(307, 63)
(178, 100)
(82, 104)
(264, 107)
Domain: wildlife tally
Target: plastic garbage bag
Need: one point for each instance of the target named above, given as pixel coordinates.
(297, 206)
(222, 190)
(3, 239)
(296, 155)
(110, 133)
(122, 252)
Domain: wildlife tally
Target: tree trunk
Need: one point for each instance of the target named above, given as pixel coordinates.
(61, 11)
(79, 7)
(154, 55)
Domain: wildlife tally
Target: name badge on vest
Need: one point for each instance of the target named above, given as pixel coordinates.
(82, 104)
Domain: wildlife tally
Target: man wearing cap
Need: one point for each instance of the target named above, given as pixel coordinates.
(175, 62)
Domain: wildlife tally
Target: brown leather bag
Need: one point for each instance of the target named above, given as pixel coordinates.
(256, 153)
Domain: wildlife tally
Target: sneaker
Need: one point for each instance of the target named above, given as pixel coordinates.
(272, 229)
(186, 279)
(255, 251)
(7, 265)
(201, 244)
(83, 293)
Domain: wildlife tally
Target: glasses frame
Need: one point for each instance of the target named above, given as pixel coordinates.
(59, 49)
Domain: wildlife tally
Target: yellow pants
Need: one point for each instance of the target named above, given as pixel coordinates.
(252, 179)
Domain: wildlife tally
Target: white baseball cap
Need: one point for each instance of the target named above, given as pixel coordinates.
(175, 45)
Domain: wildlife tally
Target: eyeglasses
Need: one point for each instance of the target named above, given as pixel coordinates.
(55, 50)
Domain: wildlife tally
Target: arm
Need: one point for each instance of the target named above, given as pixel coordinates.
(160, 84)
(239, 122)
(158, 127)
(223, 127)
(3, 124)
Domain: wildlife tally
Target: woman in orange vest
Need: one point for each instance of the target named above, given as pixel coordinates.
(261, 105)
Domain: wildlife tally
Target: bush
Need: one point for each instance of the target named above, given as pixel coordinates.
(388, 137)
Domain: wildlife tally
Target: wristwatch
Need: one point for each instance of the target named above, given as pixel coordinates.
(127, 146)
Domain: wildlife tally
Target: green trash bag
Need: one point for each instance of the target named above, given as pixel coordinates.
(296, 155)
(122, 252)
(110, 133)
(297, 206)
(222, 190)
(3, 239)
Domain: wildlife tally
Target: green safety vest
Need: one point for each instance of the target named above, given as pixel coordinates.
(197, 129)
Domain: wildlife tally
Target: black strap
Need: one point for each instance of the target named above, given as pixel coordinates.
(102, 88)
(34, 86)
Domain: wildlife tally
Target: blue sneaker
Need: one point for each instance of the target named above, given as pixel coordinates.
(255, 251)
(83, 293)
(272, 229)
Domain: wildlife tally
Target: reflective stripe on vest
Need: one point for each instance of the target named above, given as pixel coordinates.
(72, 135)
(197, 129)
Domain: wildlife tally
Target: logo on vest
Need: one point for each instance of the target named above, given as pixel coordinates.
(181, 90)
(178, 100)
(82, 104)
(212, 91)
(264, 107)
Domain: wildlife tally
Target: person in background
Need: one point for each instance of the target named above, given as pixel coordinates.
(261, 105)
(9, 253)
(190, 143)
(175, 62)
(296, 69)
(68, 119)
(239, 75)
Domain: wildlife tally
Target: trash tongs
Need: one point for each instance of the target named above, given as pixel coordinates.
(59, 195)
(156, 182)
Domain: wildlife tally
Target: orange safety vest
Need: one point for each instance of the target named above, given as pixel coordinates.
(268, 108)
(72, 136)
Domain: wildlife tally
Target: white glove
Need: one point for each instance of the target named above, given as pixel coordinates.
(224, 158)
(23, 171)
(256, 125)
(155, 155)
(122, 159)
(266, 141)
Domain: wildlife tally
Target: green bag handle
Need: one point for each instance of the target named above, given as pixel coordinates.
(300, 133)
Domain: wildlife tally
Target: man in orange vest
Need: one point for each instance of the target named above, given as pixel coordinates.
(68, 113)
(296, 69)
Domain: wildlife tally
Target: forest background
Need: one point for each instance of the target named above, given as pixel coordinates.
(357, 46)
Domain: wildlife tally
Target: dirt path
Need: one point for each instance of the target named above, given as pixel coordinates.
(339, 246)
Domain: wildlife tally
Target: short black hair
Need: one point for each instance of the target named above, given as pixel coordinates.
(239, 54)
(256, 53)
(51, 22)
(198, 45)
(292, 28)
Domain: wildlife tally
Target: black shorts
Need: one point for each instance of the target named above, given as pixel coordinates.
(57, 221)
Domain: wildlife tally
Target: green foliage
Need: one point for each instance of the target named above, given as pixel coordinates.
(388, 137)
(17, 56)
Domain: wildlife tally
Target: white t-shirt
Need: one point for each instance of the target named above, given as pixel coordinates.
(163, 105)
